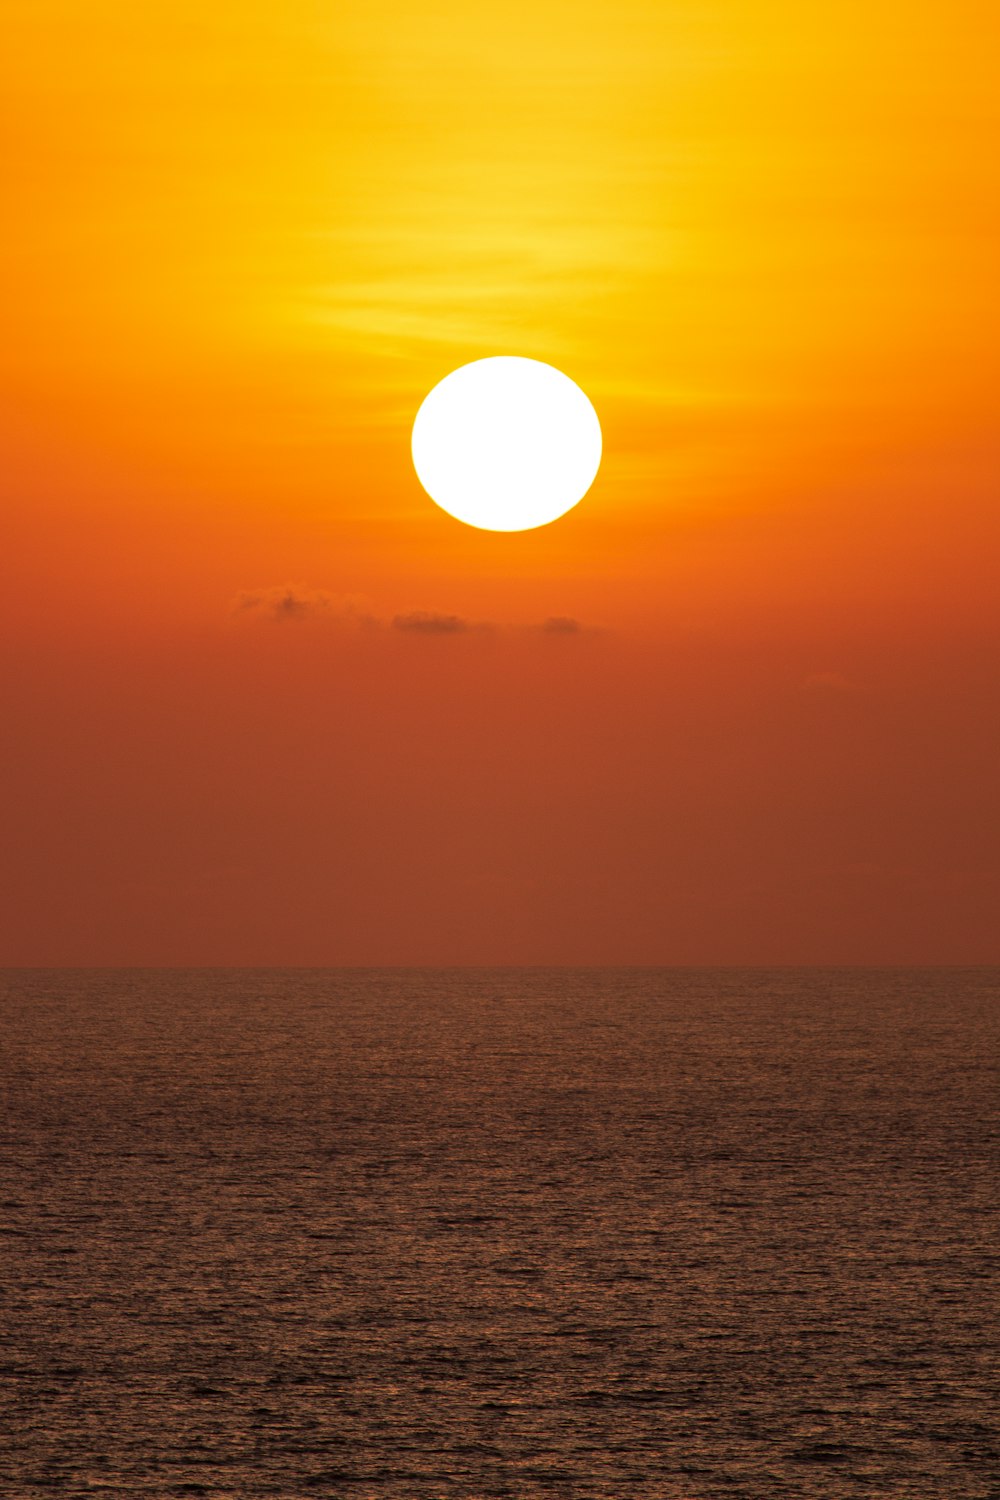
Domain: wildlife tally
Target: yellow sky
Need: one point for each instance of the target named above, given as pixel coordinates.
(743, 226)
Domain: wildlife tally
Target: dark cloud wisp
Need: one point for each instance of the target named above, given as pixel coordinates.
(285, 603)
(425, 622)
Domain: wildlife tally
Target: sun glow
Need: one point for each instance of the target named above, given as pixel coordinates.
(506, 444)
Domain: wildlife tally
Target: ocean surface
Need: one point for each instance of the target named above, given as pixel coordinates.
(415, 1235)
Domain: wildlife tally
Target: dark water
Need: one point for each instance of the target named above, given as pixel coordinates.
(500, 1233)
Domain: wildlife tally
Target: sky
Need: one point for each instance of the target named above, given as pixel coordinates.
(264, 703)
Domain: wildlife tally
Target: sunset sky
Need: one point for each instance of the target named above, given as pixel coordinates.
(264, 703)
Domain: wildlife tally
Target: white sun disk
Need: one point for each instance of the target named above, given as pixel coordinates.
(506, 443)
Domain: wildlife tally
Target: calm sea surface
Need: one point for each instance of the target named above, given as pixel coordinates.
(414, 1235)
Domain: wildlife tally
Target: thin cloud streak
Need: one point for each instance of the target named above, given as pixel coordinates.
(299, 604)
(424, 622)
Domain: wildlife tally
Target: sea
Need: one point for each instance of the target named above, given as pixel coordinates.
(463, 1234)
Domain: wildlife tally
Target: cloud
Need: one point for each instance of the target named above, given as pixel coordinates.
(287, 602)
(425, 622)
(292, 602)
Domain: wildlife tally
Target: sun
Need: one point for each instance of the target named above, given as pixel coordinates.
(506, 443)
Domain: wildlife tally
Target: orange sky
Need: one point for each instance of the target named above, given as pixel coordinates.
(265, 703)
